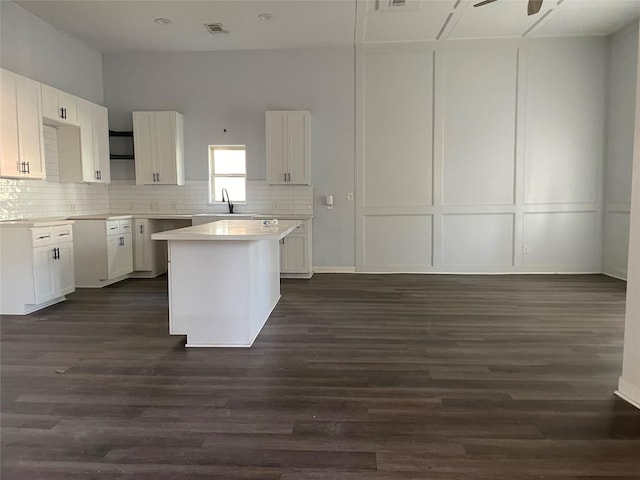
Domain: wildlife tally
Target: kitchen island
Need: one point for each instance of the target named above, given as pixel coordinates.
(224, 280)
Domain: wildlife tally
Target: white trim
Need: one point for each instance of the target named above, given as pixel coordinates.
(390, 270)
(628, 392)
(619, 275)
(330, 269)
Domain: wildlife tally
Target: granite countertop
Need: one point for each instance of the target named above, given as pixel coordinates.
(230, 230)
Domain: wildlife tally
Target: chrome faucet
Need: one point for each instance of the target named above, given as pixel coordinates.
(229, 203)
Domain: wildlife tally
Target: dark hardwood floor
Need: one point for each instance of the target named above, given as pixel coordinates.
(377, 377)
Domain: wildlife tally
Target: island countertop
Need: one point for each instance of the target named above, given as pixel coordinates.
(230, 230)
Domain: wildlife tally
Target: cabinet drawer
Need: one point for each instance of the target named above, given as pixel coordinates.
(63, 233)
(125, 226)
(302, 228)
(42, 236)
(113, 227)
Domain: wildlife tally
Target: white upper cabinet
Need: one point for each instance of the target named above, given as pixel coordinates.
(159, 145)
(288, 147)
(22, 143)
(83, 151)
(58, 107)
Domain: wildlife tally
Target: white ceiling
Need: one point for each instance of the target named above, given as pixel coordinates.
(121, 26)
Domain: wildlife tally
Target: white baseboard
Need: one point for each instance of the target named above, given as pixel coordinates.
(615, 275)
(628, 392)
(329, 269)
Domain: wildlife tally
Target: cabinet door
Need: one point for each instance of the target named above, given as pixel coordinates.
(30, 134)
(100, 122)
(114, 265)
(59, 106)
(69, 103)
(43, 274)
(143, 134)
(50, 107)
(125, 255)
(299, 148)
(165, 147)
(293, 254)
(22, 138)
(142, 260)
(277, 148)
(64, 269)
(9, 159)
(87, 150)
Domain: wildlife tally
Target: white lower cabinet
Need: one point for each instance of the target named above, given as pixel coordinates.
(104, 251)
(37, 264)
(296, 252)
(150, 256)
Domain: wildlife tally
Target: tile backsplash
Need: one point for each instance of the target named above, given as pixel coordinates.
(126, 197)
(49, 198)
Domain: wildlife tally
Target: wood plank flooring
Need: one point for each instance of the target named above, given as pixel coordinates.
(376, 377)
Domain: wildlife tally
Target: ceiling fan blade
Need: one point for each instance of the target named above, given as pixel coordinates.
(534, 7)
(484, 2)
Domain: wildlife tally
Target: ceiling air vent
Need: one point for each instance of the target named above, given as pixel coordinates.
(214, 28)
(396, 5)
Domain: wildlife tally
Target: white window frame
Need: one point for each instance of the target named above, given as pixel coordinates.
(212, 174)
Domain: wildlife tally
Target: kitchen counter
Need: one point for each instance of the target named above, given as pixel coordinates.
(102, 216)
(36, 222)
(224, 280)
(230, 230)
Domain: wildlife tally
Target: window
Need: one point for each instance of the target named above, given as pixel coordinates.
(228, 169)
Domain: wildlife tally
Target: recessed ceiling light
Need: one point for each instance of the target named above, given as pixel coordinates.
(265, 16)
(162, 21)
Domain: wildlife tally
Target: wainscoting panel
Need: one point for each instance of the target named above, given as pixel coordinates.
(398, 99)
(479, 125)
(562, 241)
(398, 242)
(472, 241)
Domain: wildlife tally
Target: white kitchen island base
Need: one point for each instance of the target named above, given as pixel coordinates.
(222, 292)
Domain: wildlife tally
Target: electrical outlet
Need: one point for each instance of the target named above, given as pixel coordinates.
(73, 208)
(525, 249)
(132, 206)
(350, 197)
(173, 205)
(155, 205)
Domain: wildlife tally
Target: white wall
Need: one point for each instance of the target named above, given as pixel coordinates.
(619, 158)
(481, 156)
(232, 90)
(629, 383)
(33, 48)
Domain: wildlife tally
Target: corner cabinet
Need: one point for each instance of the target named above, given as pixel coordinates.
(149, 256)
(22, 144)
(288, 138)
(296, 253)
(84, 152)
(37, 265)
(158, 139)
(104, 251)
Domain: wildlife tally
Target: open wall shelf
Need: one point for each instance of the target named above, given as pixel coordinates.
(125, 156)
